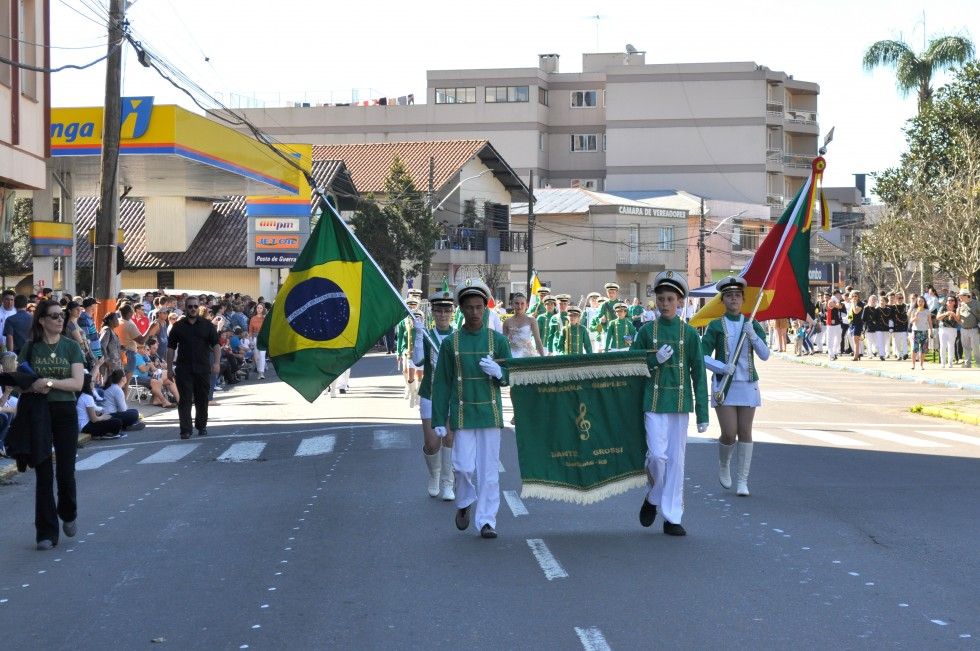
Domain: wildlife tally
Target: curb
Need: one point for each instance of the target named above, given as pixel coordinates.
(9, 469)
(905, 377)
(937, 411)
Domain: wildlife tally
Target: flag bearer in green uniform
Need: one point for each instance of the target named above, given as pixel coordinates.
(676, 387)
(620, 331)
(558, 322)
(466, 396)
(574, 338)
(438, 458)
(544, 323)
(539, 306)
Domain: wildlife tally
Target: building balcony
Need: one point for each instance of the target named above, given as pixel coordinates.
(633, 260)
(461, 245)
(797, 161)
(801, 121)
(773, 199)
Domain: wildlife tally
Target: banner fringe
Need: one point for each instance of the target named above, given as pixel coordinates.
(582, 496)
(521, 377)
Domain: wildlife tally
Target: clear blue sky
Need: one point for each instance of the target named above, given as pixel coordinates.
(297, 47)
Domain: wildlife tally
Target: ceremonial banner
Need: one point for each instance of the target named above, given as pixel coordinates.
(579, 423)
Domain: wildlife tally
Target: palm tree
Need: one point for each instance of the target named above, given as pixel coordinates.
(914, 71)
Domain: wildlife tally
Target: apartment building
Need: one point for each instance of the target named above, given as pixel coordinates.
(736, 131)
(24, 97)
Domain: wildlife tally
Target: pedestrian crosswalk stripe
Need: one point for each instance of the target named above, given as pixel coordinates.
(549, 564)
(515, 503)
(387, 440)
(171, 453)
(760, 436)
(796, 395)
(316, 445)
(592, 639)
(99, 459)
(828, 437)
(902, 439)
(952, 436)
(244, 451)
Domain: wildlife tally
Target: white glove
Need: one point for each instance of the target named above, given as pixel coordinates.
(418, 323)
(491, 367)
(440, 431)
(749, 331)
(664, 353)
(702, 428)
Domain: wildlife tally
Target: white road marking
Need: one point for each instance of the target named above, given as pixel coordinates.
(952, 436)
(796, 395)
(761, 436)
(316, 445)
(938, 622)
(515, 503)
(549, 564)
(910, 441)
(171, 453)
(828, 437)
(244, 451)
(101, 458)
(592, 639)
(386, 440)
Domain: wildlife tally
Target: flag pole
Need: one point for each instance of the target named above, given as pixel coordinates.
(809, 193)
(321, 195)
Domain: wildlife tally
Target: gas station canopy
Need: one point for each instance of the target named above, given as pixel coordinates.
(167, 151)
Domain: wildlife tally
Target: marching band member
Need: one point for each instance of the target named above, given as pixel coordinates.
(466, 394)
(735, 406)
(438, 458)
(620, 331)
(539, 306)
(606, 311)
(574, 338)
(544, 323)
(405, 342)
(676, 387)
(557, 323)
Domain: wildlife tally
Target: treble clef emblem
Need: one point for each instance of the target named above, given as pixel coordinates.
(583, 423)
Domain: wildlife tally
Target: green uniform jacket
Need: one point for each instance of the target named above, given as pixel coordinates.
(405, 336)
(607, 311)
(672, 385)
(538, 309)
(555, 327)
(544, 329)
(425, 388)
(715, 342)
(461, 391)
(617, 333)
(574, 340)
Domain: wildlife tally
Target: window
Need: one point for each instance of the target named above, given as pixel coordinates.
(666, 238)
(28, 51)
(542, 96)
(506, 94)
(5, 49)
(541, 141)
(585, 184)
(455, 95)
(603, 142)
(165, 280)
(584, 98)
(584, 141)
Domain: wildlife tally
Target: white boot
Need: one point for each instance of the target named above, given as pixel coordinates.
(432, 463)
(725, 464)
(447, 480)
(410, 393)
(742, 471)
(413, 400)
(408, 390)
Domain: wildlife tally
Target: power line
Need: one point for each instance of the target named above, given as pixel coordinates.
(67, 66)
(52, 47)
(104, 23)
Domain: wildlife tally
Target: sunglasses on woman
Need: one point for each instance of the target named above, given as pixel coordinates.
(55, 315)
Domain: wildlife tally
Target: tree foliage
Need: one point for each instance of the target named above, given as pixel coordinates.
(913, 71)
(383, 237)
(889, 242)
(15, 241)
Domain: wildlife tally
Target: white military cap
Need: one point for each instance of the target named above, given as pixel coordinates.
(671, 280)
(730, 284)
(473, 287)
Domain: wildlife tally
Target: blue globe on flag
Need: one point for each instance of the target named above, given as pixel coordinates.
(317, 309)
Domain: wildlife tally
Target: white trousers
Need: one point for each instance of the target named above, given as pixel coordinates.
(833, 340)
(476, 465)
(947, 346)
(900, 342)
(666, 445)
(260, 361)
(880, 343)
(340, 383)
(971, 346)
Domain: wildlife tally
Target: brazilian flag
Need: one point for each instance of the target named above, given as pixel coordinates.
(334, 306)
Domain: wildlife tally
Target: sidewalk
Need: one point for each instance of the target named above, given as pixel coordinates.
(958, 377)
(964, 411)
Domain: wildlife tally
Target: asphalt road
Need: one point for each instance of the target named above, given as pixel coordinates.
(296, 526)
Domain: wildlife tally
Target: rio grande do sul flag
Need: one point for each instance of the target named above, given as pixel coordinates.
(333, 307)
(779, 270)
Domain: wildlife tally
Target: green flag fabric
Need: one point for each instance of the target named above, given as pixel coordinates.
(333, 307)
(579, 424)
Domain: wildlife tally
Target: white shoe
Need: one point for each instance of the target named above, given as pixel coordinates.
(447, 479)
(725, 464)
(742, 468)
(432, 463)
(261, 376)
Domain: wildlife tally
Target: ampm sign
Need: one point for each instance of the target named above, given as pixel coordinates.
(135, 120)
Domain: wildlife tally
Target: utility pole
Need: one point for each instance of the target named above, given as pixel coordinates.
(104, 260)
(530, 233)
(701, 245)
(430, 195)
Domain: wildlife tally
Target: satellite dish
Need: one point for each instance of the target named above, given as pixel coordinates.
(630, 49)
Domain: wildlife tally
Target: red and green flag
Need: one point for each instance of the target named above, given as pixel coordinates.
(777, 276)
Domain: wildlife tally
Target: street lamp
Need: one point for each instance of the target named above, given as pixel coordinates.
(702, 235)
(456, 187)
